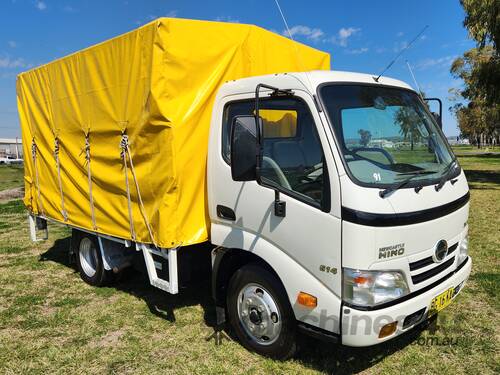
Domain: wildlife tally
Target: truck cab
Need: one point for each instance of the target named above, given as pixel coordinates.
(337, 208)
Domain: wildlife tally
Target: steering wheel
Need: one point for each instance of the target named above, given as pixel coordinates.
(276, 168)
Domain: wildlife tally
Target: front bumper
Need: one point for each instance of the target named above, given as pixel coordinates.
(362, 327)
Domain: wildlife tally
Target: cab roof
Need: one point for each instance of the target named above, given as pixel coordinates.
(308, 80)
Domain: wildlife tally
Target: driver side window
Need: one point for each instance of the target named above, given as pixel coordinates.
(292, 155)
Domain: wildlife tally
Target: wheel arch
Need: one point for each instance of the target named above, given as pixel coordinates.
(226, 262)
(291, 274)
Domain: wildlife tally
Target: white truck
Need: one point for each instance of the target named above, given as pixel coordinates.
(337, 209)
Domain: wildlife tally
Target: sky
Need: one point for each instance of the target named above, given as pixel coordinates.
(361, 36)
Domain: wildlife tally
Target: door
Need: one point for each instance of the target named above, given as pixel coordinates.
(296, 159)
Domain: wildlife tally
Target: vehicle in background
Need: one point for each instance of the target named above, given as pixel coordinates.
(10, 160)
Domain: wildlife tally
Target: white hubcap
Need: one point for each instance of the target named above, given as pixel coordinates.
(259, 314)
(88, 256)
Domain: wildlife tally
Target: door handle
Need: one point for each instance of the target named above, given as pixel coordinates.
(225, 213)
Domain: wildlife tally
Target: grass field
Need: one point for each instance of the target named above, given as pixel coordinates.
(11, 176)
(53, 323)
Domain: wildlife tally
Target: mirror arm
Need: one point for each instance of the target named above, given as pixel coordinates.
(279, 205)
(260, 131)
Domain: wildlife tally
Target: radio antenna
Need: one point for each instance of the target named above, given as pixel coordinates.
(400, 53)
(414, 79)
(299, 59)
(284, 20)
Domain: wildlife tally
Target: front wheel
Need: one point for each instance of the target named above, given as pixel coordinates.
(260, 313)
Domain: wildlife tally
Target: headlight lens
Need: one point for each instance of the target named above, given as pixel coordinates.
(463, 250)
(370, 288)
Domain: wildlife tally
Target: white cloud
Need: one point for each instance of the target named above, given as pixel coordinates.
(313, 34)
(9, 63)
(442, 62)
(400, 46)
(40, 5)
(344, 34)
(357, 51)
(12, 44)
(317, 35)
(226, 19)
(69, 9)
(151, 17)
(170, 14)
(400, 34)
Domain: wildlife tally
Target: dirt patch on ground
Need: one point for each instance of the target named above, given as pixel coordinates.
(14, 193)
(110, 339)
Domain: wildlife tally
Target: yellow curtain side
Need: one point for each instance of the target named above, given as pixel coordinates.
(156, 85)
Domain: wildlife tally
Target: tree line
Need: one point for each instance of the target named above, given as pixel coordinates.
(477, 103)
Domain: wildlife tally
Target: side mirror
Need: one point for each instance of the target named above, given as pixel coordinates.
(244, 148)
(438, 116)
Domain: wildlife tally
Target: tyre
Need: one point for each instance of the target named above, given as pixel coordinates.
(89, 260)
(260, 313)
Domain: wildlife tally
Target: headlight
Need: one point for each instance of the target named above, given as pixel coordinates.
(369, 288)
(463, 250)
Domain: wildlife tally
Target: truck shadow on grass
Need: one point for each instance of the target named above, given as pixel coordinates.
(314, 354)
(483, 179)
(137, 284)
(339, 359)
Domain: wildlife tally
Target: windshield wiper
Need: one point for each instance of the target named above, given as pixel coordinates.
(399, 185)
(446, 174)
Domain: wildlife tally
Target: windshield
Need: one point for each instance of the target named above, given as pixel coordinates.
(386, 135)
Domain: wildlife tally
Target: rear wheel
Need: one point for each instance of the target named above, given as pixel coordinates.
(260, 313)
(89, 260)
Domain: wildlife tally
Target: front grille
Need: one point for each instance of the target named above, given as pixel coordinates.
(432, 272)
(427, 261)
(421, 263)
(452, 248)
(424, 262)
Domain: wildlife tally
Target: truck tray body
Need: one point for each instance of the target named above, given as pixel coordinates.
(153, 90)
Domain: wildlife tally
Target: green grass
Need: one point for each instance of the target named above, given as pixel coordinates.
(11, 176)
(53, 323)
(12, 207)
(465, 149)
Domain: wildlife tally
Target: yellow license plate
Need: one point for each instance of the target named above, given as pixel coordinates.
(441, 301)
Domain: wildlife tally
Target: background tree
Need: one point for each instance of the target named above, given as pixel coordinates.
(407, 119)
(477, 105)
(365, 137)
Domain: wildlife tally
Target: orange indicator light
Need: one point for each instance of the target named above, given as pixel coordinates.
(307, 300)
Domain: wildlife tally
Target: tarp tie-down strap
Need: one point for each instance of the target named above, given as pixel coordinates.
(34, 151)
(126, 152)
(123, 155)
(58, 166)
(89, 175)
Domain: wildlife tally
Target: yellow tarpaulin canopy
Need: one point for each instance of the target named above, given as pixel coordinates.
(156, 85)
